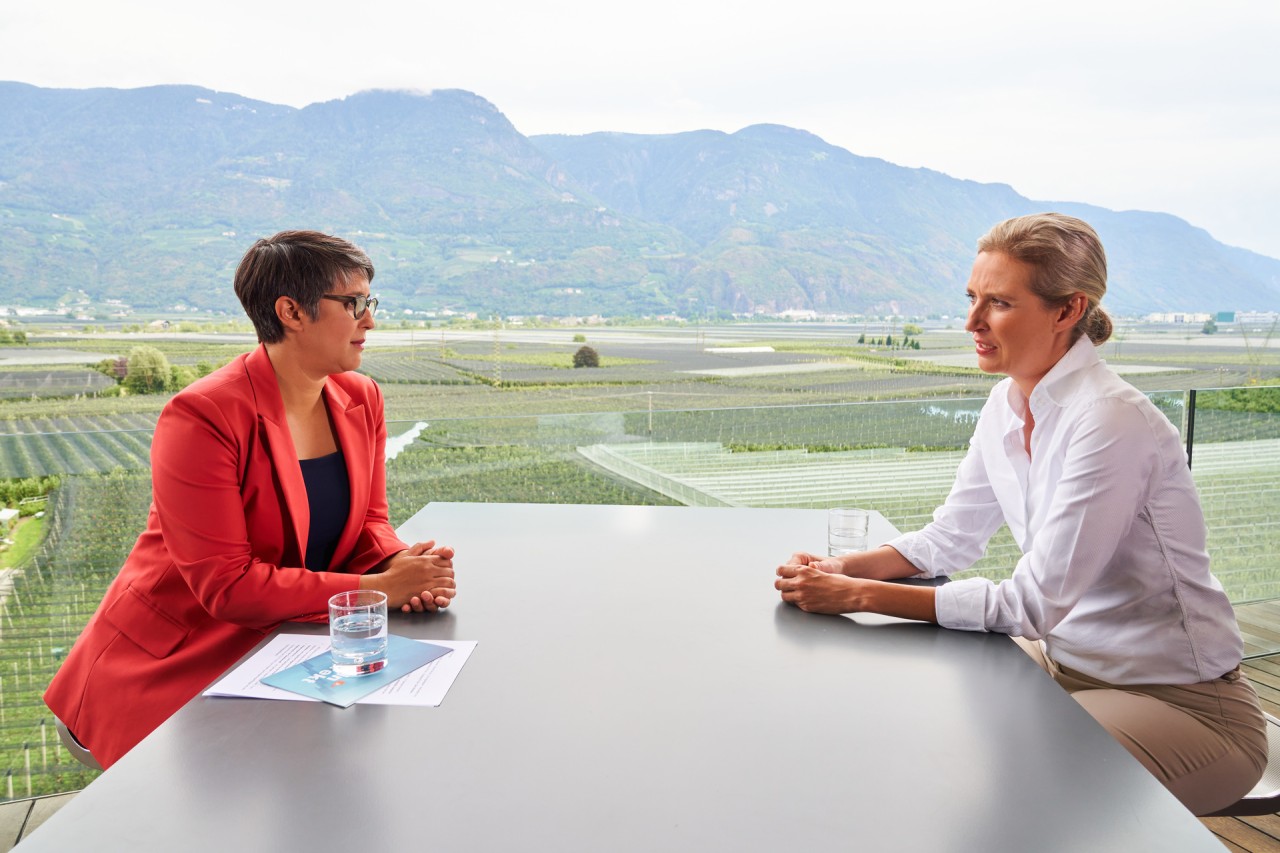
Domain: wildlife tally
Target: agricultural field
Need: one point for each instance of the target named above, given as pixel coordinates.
(39, 383)
(77, 444)
(754, 416)
(504, 473)
(91, 523)
(70, 347)
(412, 367)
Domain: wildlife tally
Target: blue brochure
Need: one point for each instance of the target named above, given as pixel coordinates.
(316, 679)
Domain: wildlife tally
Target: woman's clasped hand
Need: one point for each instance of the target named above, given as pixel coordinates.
(417, 579)
(817, 584)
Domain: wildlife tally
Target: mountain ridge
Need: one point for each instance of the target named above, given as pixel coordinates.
(151, 195)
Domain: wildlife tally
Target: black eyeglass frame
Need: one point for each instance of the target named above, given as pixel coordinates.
(354, 303)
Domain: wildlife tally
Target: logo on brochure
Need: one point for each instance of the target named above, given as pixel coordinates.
(328, 675)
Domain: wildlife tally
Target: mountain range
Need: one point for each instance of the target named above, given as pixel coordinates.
(150, 196)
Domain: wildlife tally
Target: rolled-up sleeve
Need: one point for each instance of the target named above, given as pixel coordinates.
(961, 527)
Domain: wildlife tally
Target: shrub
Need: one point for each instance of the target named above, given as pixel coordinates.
(586, 357)
(148, 371)
(14, 490)
(116, 368)
(180, 376)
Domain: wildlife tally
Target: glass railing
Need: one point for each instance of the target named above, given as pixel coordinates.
(898, 457)
(1233, 441)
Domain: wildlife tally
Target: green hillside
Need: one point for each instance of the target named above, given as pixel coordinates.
(150, 196)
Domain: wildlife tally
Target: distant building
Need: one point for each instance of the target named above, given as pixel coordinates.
(1179, 317)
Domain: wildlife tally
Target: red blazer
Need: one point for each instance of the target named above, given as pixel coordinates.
(220, 563)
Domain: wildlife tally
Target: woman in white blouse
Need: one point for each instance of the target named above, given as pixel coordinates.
(1112, 595)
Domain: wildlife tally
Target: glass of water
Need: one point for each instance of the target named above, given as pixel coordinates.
(358, 631)
(847, 530)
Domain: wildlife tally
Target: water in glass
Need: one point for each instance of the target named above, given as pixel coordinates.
(359, 643)
(846, 530)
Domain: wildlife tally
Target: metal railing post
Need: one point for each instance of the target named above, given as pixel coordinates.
(1191, 423)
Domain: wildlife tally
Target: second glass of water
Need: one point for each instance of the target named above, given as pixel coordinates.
(358, 631)
(846, 530)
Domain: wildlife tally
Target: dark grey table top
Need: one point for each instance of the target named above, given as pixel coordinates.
(639, 686)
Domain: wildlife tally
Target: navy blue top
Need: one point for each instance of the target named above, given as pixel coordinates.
(329, 495)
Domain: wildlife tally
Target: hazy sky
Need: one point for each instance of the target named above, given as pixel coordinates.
(1128, 104)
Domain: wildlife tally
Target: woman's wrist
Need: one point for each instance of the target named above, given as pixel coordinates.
(860, 598)
(895, 599)
(859, 564)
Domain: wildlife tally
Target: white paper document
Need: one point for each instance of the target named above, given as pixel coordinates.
(424, 687)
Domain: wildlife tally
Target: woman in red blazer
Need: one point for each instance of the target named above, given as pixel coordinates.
(251, 469)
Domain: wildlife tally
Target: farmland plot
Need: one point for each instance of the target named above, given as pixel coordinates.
(52, 383)
(75, 445)
(93, 523)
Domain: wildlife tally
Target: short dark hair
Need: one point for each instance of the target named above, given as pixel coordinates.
(303, 265)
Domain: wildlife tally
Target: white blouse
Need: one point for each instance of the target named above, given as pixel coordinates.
(1114, 574)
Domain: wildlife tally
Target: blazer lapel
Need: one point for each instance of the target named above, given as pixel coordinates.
(284, 458)
(351, 424)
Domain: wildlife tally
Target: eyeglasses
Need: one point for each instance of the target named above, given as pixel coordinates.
(357, 304)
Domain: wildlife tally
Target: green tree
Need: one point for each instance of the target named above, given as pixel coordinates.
(14, 490)
(148, 371)
(1209, 327)
(911, 329)
(180, 376)
(586, 357)
(862, 339)
(116, 368)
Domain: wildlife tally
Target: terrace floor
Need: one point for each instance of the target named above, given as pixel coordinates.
(1259, 623)
(18, 818)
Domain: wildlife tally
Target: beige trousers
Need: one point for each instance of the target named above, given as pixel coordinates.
(1206, 742)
